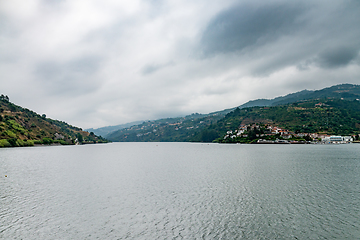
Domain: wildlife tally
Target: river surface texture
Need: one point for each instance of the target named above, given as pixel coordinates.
(180, 191)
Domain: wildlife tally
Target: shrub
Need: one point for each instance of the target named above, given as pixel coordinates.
(20, 143)
(62, 142)
(29, 143)
(13, 142)
(10, 134)
(47, 141)
(8, 117)
(4, 143)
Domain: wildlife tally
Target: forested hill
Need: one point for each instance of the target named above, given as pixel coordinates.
(104, 131)
(23, 127)
(205, 127)
(182, 129)
(133, 131)
(327, 116)
(344, 91)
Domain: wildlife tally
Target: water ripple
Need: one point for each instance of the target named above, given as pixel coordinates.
(180, 191)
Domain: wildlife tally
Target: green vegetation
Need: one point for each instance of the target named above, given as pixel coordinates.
(342, 91)
(290, 112)
(21, 127)
(330, 116)
(334, 110)
(181, 129)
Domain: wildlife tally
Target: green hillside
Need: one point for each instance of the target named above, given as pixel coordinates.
(23, 127)
(328, 116)
(340, 116)
(182, 129)
(189, 127)
(344, 91)
(104, 131)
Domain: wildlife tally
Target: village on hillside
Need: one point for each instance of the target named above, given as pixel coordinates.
(270, 134)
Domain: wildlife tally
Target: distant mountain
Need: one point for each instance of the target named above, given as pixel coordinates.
(345, 91)
(181, 129)
(104, 131)
(188, 128)
(23, 127)
(293, 97)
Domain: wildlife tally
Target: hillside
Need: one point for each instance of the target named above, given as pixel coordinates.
(345, 91)
(116, 133)
(23, 127)
(197, 127)
(104, 131)
(326, 116)
(166, 130)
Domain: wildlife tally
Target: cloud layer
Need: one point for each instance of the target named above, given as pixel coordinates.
(96, 63)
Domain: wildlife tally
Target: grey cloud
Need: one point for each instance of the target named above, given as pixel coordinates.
(82, 66)
(272, 36)
(86, 65)
(140, 53)
(332, 58)
(152, 68)
(52, 2)
(69, 77)
(337, 57)
(247, 25)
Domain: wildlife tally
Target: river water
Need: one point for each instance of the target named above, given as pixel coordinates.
(180, 191)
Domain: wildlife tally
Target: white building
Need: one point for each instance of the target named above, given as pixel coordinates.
(337, 139)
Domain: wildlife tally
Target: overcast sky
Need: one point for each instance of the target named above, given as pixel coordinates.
(96, 63)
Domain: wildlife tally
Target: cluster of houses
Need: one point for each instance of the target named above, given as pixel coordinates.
(269, 130)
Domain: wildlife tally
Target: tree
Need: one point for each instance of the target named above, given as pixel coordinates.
(47, 140)
(12, 142)
(4, 98)
(208, 135)
(252, 134)
(308, 138)
(79, 137)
